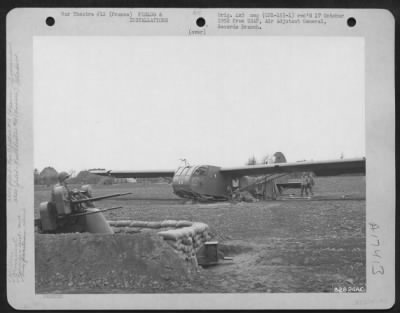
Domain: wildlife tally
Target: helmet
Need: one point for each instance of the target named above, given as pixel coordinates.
(63, 176)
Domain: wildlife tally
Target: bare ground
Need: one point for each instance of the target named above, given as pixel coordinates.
(281, 246)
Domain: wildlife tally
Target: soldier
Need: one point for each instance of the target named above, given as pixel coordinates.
(304, 183)
(62, 180)
(310, 183)
(235, 189)
(62, 177)
(235, 184)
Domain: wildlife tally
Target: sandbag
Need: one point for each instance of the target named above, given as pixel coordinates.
(174, 234)
(168, 235)
(138, 224)
(121, 223)
(199, 227)
(189, 231)
(175, 244)
(169, 223)
(184, 224)
(128, 223)
(187, 241)
(154, 224)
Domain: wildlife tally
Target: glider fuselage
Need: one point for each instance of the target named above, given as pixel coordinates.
(202, 182)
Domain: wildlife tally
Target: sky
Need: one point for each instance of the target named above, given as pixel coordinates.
(137, 103)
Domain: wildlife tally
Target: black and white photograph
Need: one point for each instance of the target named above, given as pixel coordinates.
(200, 154)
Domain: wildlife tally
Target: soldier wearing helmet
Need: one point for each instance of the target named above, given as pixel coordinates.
(62, 177)
(62, 182)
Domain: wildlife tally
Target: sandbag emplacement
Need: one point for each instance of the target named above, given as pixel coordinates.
(141, 262)
(152, 224)
(190, 231)
(187, 240)
(185, 237)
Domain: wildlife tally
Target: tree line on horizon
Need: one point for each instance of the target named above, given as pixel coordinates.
(253, 160)
(49, 176)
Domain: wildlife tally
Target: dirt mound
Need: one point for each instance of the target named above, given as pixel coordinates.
(136, 262)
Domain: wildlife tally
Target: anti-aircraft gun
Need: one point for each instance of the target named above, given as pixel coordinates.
(74, 211)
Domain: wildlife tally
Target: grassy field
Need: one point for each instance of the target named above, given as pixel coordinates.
(277, 246)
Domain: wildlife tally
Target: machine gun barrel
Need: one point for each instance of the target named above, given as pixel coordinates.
(99, 198)
(92, 212)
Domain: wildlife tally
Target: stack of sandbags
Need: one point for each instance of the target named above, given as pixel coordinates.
(120, 226)
(169, 224)
(126, 226)
(187, 240)
(129, 226)
(128, 223)
(185, 237)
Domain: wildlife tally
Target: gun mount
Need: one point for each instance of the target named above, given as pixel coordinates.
(73, 211)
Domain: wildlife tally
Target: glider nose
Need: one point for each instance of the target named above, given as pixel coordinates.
(181, 186)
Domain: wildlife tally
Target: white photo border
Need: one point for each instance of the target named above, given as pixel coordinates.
(376, 26)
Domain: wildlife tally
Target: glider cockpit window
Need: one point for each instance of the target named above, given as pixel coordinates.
(201, 171)
(182, 171)
(189, 171)
(185, 171)
(179, 171)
